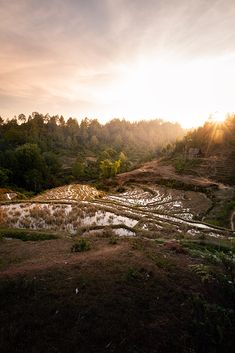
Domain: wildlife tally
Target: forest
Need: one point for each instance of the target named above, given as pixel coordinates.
(43, 151)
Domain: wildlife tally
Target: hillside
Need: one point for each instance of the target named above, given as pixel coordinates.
(214, 145)
(133, 295)
(119, 271)
(146, 266)
(193, 176)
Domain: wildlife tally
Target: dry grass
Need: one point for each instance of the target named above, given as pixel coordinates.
(3, 217)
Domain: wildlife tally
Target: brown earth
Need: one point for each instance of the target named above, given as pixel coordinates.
(137, 296)
(158, 172)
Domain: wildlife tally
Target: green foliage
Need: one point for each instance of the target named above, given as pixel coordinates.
(42, 151)
(4, 176)
(182, 165)
(223, 216)
(81, 245)
(109, 169)
(113, 240)
(26, 235)
(124, 163)
(132, 274)
(30, 166)
(78, 170)
(203, 271)
(215, 254)
(228, 262)
(213, 326)
(28, 155)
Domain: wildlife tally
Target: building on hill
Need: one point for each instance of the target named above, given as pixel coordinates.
(194, 153)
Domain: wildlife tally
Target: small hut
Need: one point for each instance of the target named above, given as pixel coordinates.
(194, 153)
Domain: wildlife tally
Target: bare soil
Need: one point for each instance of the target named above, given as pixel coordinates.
(158, 172)
(136, 296)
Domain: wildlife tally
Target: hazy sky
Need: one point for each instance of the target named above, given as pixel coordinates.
(171, 59)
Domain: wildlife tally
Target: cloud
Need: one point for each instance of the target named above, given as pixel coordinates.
(58, 53)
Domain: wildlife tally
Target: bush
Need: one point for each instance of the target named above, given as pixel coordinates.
(108, 232)
(180, 165)
(113, 240)
(81, 245)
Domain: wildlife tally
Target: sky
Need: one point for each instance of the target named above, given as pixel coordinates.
(132, 59)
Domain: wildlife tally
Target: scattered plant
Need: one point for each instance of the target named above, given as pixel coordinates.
(81, 246)
(113, 240)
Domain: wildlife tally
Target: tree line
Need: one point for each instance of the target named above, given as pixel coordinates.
(43, 151)
(212, 138)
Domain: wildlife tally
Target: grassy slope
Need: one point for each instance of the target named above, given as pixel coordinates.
(135, 296)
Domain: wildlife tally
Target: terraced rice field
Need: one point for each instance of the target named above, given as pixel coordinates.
(140, 210)
(74, 192)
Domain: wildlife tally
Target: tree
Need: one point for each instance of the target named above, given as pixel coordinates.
(78, 170)
(108, 168)
(94, 142)
(30, 166)
(123, 162)
(22, 118)
(4, 176)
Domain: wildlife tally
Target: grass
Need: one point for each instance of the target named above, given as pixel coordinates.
(183, 165)
(222, 218)
(210, 245)
(220, 255)
(26, 235)
(211, 320)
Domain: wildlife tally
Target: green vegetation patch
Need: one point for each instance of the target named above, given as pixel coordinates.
(206, 245)
(214, 254)
(222, 218)
(185, 165)
(26, 235)
(212, 326)
(81, 245)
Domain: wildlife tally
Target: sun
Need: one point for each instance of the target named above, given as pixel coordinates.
(218, 117)
(167, 88)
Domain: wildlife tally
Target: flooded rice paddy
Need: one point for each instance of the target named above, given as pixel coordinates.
(139, 210)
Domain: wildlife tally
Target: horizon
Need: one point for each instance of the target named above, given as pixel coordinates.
(125, 60)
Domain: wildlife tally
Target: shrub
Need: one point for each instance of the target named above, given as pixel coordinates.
(202, 271)
(81, 245)
(108, 232)
(180, 165)
(113, 240)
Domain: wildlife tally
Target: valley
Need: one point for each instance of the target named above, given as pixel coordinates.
(125, 266)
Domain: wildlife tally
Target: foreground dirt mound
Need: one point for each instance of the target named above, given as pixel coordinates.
(135, 296)
(76, 192)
